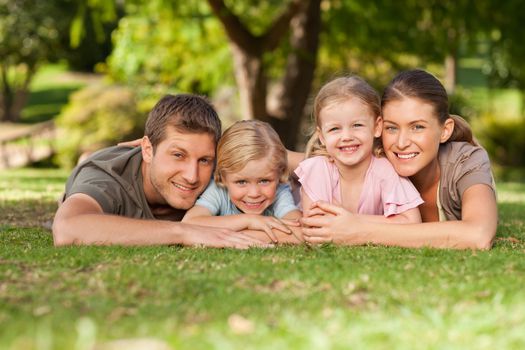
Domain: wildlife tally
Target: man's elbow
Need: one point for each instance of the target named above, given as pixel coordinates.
(60, 234)
(485, 238)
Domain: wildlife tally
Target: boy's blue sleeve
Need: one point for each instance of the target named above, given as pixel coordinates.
(284, 202)
(211, 199)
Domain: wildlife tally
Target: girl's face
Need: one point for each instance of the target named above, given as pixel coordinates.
(252, 189)
(347, 130)
(412, 135)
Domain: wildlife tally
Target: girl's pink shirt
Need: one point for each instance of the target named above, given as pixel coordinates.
(384, 191)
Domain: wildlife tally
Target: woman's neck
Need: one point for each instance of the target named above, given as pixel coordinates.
(427, 177)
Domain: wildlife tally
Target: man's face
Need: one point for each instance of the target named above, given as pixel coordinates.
(180, 168)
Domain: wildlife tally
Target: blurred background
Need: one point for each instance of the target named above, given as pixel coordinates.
(78, 75)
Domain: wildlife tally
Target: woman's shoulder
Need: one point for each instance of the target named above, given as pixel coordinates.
(454, 152)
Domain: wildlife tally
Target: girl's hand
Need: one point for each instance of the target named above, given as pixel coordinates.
(268, 224)
(330, 223)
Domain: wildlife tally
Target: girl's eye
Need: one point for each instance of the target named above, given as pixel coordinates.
(358, 125)
(264, 181)
(333, 129)
(240, 182)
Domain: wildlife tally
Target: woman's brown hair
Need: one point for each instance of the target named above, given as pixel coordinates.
(422, 85)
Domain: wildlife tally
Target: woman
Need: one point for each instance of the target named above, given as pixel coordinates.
(437, 152)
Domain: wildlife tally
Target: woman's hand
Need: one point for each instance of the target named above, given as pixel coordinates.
(327, 223)
(134, 143)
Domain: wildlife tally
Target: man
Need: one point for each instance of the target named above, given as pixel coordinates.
(137, 196)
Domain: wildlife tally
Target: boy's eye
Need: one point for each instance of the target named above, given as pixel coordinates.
(264, 181)
(358, 125)
(240, 182)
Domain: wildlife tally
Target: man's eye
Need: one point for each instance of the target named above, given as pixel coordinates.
(178, 155)
(205, 161)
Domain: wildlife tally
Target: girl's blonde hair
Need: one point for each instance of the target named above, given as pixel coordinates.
(248, 140)
(337, 91)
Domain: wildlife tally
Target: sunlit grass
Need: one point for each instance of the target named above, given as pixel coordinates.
(281, 298)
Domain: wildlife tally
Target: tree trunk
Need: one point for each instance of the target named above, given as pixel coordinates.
(300, 68)
(450, 73)
(304, 19)
(13, 97)
(251, 81)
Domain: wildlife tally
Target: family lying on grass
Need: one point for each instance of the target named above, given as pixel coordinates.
(427, 183)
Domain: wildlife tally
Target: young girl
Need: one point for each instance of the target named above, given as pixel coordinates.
(437, 152)
(347, 115)
(249, 190)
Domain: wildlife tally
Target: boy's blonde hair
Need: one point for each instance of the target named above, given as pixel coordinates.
(248, 140)
(337, 91)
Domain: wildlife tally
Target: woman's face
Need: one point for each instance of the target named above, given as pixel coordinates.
(412, 135)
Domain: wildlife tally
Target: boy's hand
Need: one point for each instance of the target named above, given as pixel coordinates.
(268, 224)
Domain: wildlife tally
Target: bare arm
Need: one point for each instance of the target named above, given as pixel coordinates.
(410, 216)
(261, 227)
(80, 220)
(294, 158)
(476, 229)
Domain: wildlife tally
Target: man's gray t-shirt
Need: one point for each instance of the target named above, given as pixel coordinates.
(113, 177)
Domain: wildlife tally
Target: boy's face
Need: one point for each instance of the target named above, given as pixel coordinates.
(180, 168)
(252, 189)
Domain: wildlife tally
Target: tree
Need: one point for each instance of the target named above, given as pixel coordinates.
(29, 33)
(302, 20)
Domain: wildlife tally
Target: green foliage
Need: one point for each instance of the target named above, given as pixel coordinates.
(179, 46)
(281, 298)
(98, 116)
(504, 140)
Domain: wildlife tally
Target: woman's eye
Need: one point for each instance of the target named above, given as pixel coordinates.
(418, 127)
(390, 128)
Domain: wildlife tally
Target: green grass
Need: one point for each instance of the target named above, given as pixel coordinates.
(287, 297)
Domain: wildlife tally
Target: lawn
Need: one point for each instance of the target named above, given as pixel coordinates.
(286, 297)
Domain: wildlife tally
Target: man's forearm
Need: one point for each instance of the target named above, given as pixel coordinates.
(110, 229)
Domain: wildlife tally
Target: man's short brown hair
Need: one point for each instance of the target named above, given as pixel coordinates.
(184, 112)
